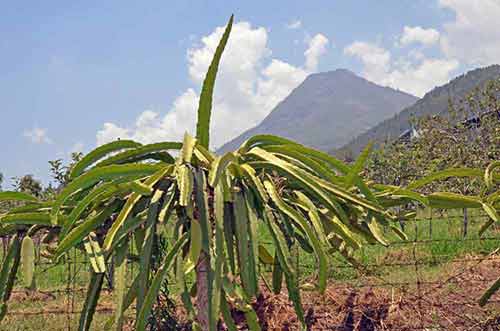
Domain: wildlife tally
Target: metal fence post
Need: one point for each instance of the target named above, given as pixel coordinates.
(401, 222)
(466, 222)
(430, 223)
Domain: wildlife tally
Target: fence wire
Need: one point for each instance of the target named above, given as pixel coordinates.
(406, 268)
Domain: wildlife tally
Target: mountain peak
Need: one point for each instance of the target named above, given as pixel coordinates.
(338, 75)
(344, 77)
(341, 72)
(328, 109)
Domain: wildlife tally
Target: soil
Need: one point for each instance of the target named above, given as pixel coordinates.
(450, 303)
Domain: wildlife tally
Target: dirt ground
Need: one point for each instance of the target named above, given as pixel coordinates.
(448, 303)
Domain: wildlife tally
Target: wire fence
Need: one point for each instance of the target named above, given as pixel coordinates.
(429, 282)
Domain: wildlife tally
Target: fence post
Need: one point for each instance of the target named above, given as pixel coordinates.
(466, 222)
(415, 222)
(430, 223)
(4, 245)
(297, 261)
(401, 222)
(111, 275)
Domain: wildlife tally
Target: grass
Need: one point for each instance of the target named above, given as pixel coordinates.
(27, 313)
(434, 245)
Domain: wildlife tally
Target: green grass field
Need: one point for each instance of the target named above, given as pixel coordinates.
(433, 253)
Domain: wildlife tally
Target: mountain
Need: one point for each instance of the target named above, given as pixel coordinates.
(327, 110)
(434, 102)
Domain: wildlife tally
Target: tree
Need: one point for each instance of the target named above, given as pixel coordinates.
(28, 184)
(214, 206)
(60, 172)
(467, 135)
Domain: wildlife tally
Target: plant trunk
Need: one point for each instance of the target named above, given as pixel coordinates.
(202, 297)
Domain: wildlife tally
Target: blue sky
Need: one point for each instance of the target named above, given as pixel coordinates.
(75, 74)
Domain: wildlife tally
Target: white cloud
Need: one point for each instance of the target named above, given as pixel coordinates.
(110, 132)
(473, 36)
(150, 127)
(418, 34)
(469, 39)
(37, 136)
(375, 59)
(414, 73)
(317, 47)
(249, 84)
(295, 24)
(419, 78)
(77, 147)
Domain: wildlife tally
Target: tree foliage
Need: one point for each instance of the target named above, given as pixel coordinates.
(28, 184)
(432, 103)
(467, 136)
(61, 172)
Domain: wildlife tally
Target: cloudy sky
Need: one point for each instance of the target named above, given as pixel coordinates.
(77, 74)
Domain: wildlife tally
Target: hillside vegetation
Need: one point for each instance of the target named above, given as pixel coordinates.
(433, 103)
